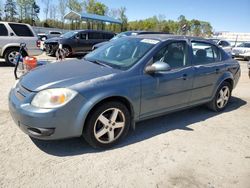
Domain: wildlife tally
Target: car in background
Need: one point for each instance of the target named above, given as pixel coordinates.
(126, 34)
(225, 45)
(77, 42)
(44, 36)
(242, 51)
(101, 96)
(12, 35)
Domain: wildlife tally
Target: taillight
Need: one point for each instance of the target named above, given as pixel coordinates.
(38, 43)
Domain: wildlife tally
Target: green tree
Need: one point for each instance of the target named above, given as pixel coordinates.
(75, 5)
(1, 11)
(26, 10)
(123, 18)
(62, 8)
(206, 29)
(196, 27)
(184, 25)
(10, 10)
(46, 4)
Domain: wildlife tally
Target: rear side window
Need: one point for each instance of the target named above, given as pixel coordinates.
(94, 35)
(205, 53)
(224, 43)
(21, 30)
(3, 30)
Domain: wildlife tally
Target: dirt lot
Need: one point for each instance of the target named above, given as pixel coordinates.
(192, 148)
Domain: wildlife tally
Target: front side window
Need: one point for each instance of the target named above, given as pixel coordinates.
(122, 53)
(83, 36)
(4, 31)
(205, 53)
(174, 54)
(21, 30)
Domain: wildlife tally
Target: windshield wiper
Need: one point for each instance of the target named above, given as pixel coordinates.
(97, 62)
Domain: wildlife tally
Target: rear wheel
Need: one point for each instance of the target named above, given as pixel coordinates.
(107, 125)
(221, 97)
(10, 56)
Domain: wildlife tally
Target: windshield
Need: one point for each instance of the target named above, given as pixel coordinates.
(69, 34)
(123, 34)
(122, 53)
(246, 45)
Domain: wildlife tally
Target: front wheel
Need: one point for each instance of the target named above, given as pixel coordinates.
(107, 125)
(221, 97)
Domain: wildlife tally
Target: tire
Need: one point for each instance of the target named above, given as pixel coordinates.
(221, 98)
(99, 129)
(9, 56)
(67, 51)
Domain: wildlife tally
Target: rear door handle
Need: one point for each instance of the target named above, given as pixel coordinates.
(217, 71)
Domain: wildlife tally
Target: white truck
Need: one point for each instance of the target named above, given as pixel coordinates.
(11, 35)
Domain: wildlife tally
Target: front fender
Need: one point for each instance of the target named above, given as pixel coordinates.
(130, 91)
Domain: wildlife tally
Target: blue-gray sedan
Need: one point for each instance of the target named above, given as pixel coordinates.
(128, 80)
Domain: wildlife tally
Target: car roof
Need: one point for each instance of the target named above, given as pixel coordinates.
(91, 30)
(165, 37)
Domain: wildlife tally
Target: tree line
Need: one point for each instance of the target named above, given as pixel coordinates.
(27, 11)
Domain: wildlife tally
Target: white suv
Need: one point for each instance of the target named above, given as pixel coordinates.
(11, 35)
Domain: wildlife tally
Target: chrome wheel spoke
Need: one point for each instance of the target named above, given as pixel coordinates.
(103, 120)
(101, 132)
(225, 93)
(119, 125)
(114, 115)
(219, 100)
(111, 135)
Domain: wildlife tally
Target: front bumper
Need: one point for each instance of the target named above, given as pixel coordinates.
(46, 124)
(243, 56)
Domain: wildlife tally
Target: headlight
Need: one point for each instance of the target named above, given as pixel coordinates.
(53, 98)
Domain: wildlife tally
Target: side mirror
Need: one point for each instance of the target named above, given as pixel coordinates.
(77, 37)
(158, 66)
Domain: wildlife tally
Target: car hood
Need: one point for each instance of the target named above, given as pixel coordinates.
(101, 44)
(65, 74)
(54, 39)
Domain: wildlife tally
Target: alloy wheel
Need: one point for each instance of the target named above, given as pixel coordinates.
(109, 125)
(12, 57)
(223, 97)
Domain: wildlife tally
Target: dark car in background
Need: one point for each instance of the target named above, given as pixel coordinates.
(77, 42)
(126, 34)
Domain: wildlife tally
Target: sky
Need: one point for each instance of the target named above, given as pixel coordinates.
(224, 15)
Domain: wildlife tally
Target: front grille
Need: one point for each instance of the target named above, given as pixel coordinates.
(21, 92)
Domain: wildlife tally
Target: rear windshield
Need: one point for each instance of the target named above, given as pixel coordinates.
(21, 30)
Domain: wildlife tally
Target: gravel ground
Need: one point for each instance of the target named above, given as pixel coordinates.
(191, 148)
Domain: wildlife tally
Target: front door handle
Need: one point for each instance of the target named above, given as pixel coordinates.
(184, 76)
(217, 71)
